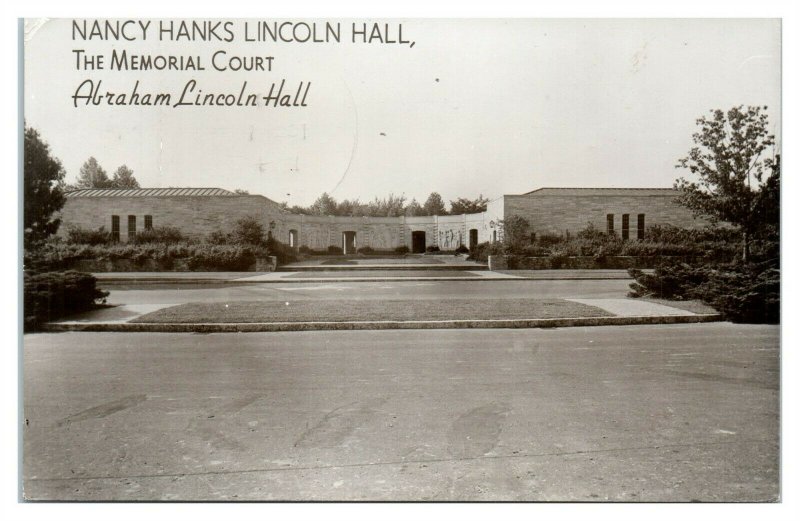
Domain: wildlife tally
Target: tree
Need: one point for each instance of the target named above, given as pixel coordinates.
(92, 175)
(732, 172)
(391, 206)
(516, 234)
(43, 189)
(434, 205)
(123, 178)
(350, 207)
(249, 230)
(768, 202)
(464, 205)
(413, 209)
(324, 205)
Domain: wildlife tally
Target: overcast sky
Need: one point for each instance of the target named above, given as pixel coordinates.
(476, 106)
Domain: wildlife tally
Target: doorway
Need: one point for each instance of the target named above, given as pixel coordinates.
(418, 242)
(348, 243)
(473, 238)
(293, 239)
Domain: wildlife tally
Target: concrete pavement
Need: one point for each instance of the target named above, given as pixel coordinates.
(429, 262)
(371, 273)
(647, 413)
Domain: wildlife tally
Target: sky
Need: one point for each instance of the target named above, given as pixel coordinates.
(487, 107)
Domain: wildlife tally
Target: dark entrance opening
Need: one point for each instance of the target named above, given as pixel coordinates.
(348, 243)
(473, 238)
(418, 242)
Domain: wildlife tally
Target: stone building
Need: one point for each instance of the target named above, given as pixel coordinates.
(197, 212)
(626, 212)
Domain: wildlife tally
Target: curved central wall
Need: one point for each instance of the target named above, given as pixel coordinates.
(447, 232)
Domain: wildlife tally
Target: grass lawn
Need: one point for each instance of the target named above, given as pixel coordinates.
(369, 310)
(378, 273)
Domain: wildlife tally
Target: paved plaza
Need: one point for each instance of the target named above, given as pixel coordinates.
(635, 413)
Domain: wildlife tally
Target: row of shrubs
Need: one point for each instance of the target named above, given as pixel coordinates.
(160, 234)
(227, 257)
(720, 244)
(233, 250)
(247, 230)
(742, 292)
(53, 295)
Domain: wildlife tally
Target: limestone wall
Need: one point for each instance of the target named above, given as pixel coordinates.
(193, 216)
(558, 214)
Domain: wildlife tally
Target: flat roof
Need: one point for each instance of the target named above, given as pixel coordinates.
(603, 191)
(150, 192)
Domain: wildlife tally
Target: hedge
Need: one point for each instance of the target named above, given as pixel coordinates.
(52, 295)
(715, 244)
(230, 257)
(741, 292)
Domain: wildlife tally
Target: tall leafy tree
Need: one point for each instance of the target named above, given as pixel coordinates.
(434, 205)
(92, 175)
(464, 205)
(768, 210)
(350, 207)
(43, 189)
(732, 165)
(324, 205)
(123, 178)
(391, 206)
(413, 209)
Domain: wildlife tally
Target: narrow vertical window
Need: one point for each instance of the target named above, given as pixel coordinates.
(640, 227)
(533, 238)
(626, 226)
(610, 224)
(131, 227)
(148, 222)
(115, 227)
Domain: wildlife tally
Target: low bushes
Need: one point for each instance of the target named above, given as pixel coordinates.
(160, 247)
(283, 252)
(335, 250)
(77, 235)
(247, 230)
(159, 234)
(741, 292)
(402, 250)
(711, 244)
(482, 251)
(224, 257)
(52, 295)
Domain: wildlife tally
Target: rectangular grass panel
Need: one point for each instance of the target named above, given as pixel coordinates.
(369, 310)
